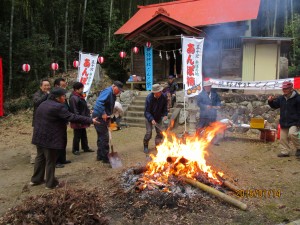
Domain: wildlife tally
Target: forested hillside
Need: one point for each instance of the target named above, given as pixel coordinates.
(39, 32)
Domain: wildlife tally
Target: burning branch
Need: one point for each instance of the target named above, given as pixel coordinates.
(216, 193)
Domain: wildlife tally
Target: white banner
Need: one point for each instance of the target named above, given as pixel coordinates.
(86, 70)
(253, 85)
(192, 49)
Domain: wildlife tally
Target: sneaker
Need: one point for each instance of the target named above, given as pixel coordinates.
(59, 165)
(76, 153)
(35, 184)
(67, 161)
(58, 185)
(283, 155)
(88, 150)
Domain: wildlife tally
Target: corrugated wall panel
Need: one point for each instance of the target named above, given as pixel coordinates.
(248, 61)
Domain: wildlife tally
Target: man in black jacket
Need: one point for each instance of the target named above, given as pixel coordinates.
(156, 110)
(50, 135)
(289, 104)
(62, 154)
(38, 97)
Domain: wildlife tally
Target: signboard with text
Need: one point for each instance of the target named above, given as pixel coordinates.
(192, 50)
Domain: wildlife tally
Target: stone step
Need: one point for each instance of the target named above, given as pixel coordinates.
(138, 102)
(136, 108)
(139, 114)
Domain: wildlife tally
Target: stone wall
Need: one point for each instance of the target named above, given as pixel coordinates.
(240, 108)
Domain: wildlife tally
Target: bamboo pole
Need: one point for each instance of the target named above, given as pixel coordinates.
(216, 193)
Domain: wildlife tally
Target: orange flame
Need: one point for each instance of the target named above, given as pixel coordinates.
(184, 156)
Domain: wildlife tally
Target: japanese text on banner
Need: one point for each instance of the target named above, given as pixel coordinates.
(87, 68)
(149, 67)
(192, 51)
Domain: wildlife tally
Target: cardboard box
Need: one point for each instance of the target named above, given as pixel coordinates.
(257, 123)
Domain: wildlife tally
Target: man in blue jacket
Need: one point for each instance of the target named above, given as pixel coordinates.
(103, 109)
(289, 104)
(155, 110)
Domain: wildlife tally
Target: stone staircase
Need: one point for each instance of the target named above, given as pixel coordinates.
(134, 115)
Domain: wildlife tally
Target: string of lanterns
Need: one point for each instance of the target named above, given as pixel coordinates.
(54, 66)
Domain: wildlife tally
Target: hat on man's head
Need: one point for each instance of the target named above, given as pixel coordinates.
(287, 84)
(58, 91)
(119, 84)
(207, 83)
(156, 88)
(171, 77)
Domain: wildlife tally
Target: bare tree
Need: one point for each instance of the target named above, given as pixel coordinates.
(83, 19)
(275, 18)
(10, 44)
(66, 37)
(110, 21)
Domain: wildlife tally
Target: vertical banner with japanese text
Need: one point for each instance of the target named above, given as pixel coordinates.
(192, 50)
(86, 70)
(1, 89)
(149, 67)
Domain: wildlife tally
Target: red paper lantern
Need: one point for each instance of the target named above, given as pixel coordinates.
(122, 54)
(100, 59)
(26, 68)
(135, 50)
(75, 63)
(54, 66)
(148, 44)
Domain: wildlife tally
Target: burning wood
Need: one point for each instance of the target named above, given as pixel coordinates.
(179, 160)
(217, 193)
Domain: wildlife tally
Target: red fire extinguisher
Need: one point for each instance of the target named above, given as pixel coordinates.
(278, 131)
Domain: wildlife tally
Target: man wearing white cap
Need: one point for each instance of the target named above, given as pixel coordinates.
(155, 111)
(289, 104)
(209, 102)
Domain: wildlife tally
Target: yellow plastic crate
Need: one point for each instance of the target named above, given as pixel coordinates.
(257, 123)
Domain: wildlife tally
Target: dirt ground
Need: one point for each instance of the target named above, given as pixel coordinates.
(248, 161)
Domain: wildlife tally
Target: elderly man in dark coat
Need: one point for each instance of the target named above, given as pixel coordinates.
(50, 135)
(156, 110)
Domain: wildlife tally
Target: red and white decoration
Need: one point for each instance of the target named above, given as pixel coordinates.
(54, 66)
(100, 59)
(148, 44)
(135, 50)
(75, 63)
(26, 68)
(122, 54)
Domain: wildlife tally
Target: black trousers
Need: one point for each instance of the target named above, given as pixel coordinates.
(80, 135)
(45, 162)
(61, 158)
(102, 140)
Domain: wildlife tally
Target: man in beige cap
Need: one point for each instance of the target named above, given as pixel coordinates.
(155, 111)
(289, 104)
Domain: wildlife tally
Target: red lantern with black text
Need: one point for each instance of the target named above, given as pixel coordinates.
(54, 66)
(122, 54)
(148, 44)
(26, 68)
(100, 59)
(75, 64)
(135, 50)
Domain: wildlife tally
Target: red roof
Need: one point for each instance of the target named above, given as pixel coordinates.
(196, 13)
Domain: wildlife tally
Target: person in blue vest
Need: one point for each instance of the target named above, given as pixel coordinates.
(289, 104)
(103, 109)
(156, 110)
(209, 102)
